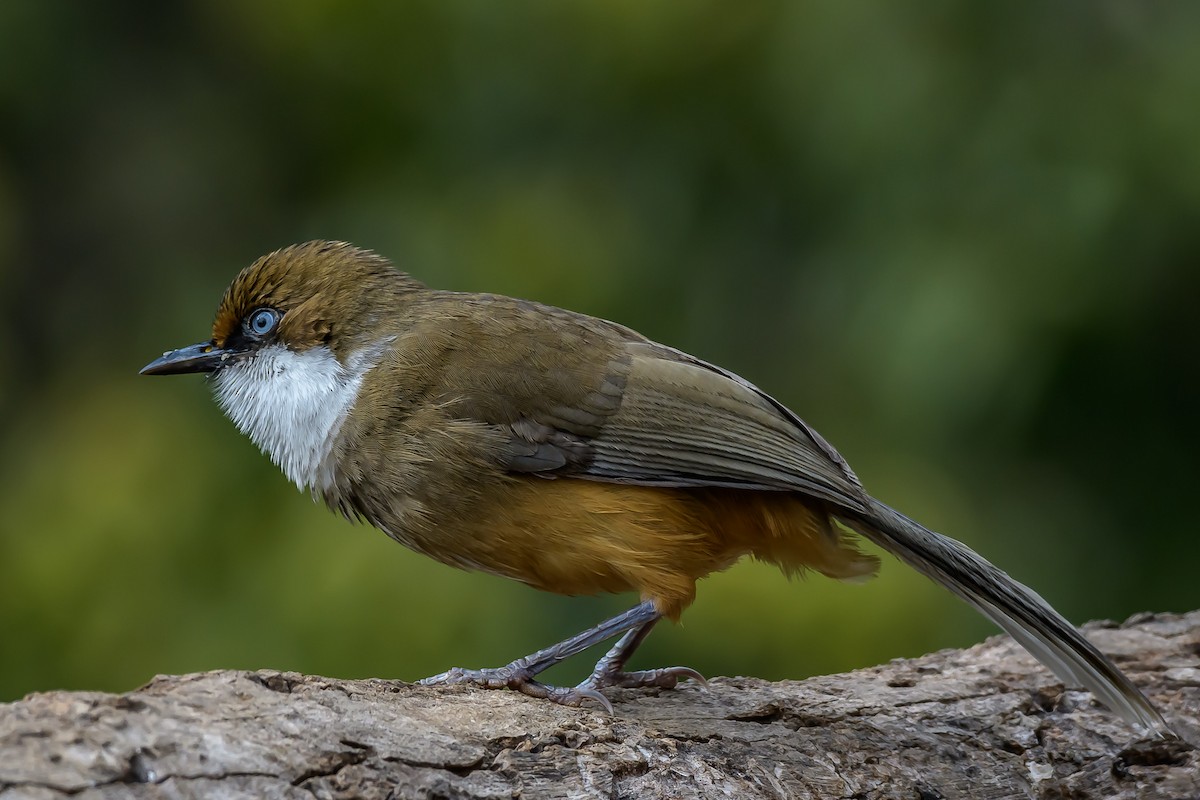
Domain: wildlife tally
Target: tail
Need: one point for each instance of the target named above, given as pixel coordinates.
(1014, 607)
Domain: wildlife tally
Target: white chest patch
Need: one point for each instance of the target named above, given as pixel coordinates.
(291, 404)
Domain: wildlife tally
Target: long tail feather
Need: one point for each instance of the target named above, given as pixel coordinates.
(1011, 605)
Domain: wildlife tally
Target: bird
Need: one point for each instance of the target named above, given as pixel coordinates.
(569, 453)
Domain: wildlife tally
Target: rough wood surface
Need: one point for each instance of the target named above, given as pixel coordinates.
(980, 723)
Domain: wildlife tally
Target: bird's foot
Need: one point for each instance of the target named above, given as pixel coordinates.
(521, 674)
(519, 677)
(663, 678)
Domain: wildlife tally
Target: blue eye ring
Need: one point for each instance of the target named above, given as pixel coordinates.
(261, 321)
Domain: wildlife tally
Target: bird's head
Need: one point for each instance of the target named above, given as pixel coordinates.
(293, 337)
(319, 294)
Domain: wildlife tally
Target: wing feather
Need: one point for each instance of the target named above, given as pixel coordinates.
(680, 422)
(683, 423)
(578, 396)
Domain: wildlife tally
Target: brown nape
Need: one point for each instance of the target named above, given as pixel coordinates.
(578, 537)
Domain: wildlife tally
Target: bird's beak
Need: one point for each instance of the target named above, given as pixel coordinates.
(202, 357)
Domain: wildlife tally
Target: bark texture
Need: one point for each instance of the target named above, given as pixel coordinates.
(986, 722)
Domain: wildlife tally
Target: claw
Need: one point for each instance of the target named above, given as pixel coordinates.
(442, 678)
(690, 674)
(586, 691)
(567, 696)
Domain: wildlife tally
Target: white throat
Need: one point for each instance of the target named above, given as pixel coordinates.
(292, 404)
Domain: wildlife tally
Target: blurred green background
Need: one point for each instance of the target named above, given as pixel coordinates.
(960, 239)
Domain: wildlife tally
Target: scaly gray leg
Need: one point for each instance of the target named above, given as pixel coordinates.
(520, 674)
(610, 670)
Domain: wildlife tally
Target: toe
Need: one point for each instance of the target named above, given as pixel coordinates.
(664, 678)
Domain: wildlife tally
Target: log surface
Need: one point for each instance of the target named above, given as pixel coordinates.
(986, 722)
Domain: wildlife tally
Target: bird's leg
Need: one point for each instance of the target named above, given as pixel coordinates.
(520, 674)
(610, 670)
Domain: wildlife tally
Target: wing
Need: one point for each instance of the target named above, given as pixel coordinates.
(581, 397)
(683, 422)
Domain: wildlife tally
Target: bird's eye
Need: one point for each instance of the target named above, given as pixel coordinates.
(262, 321)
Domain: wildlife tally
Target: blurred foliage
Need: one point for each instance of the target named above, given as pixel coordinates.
(960, 239)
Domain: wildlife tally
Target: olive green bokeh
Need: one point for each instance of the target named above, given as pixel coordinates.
(959, 239)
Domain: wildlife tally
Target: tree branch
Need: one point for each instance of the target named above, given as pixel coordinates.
(987, 722)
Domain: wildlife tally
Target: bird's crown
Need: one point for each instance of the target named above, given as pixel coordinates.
(303, 294)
